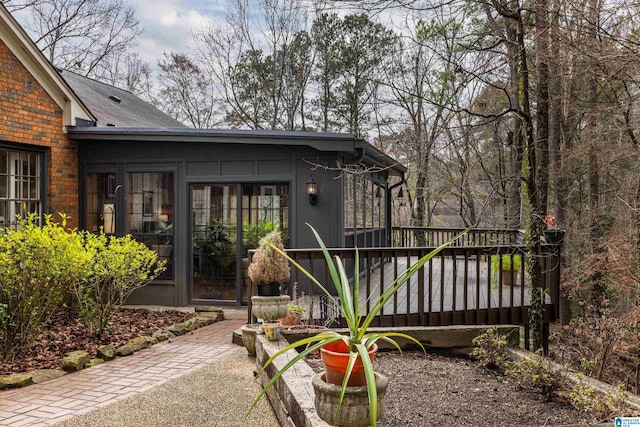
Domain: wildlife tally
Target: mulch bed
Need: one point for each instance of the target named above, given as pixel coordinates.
(438, 390)
(65, 334)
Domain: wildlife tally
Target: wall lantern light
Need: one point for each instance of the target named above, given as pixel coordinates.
(312, 190)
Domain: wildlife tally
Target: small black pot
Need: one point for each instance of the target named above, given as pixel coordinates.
(269, 289)
(554, 237)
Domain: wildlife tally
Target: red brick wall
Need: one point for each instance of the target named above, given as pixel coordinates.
(28, 115)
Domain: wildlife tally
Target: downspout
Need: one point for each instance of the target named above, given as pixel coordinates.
(389, 190)
(359, 157)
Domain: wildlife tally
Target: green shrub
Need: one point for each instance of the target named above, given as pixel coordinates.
(507, 261)
(118, 266)
(39, 266)
(535, 373)
(585, 399)
(490, 348)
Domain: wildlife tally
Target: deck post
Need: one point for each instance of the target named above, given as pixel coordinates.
(527, 330)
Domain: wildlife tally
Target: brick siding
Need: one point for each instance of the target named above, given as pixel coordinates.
(28, 115)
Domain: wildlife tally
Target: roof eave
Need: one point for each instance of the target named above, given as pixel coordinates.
(340, 142)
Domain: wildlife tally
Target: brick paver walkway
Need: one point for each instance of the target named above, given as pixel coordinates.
(89, 389)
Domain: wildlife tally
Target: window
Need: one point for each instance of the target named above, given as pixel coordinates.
(349, 205)
(20, 185)
(364, 210)
(264, 208)
(150, 213)
(101, 208)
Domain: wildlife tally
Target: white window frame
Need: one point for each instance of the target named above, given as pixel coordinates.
(13, 201)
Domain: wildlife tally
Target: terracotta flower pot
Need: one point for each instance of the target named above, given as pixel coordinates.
(335, 357)
(292, 318)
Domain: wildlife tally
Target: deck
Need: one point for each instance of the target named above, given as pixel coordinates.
(458, 286)
(475, 287)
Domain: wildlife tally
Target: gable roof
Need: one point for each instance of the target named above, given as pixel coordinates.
(113, 106)
(21, 45)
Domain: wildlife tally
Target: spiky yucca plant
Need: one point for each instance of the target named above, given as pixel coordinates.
(358, 340)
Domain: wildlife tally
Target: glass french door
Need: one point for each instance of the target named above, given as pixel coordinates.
(214, 236)
(227, 221)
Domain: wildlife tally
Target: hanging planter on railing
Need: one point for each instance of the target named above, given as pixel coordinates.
(552, 235)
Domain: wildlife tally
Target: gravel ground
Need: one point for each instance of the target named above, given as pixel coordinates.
(216, 395)
(439, 390)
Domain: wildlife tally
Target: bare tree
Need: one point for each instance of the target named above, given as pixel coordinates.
(130, 72)
(83, 36)
(259, 58)
(186, 92)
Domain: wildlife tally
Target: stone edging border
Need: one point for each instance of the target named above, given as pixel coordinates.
(80, 359)
(573, 377)
(292, 396)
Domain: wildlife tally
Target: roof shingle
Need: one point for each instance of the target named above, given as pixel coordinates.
(113, 106)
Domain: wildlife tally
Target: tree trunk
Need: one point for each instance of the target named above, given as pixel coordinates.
(515, 154)
(595, 226)
(560, 199)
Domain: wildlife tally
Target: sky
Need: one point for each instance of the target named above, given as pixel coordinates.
(168, 24)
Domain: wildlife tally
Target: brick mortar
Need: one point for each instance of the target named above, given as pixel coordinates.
(31, 116)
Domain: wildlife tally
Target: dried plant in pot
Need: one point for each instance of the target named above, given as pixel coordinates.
(268, 268)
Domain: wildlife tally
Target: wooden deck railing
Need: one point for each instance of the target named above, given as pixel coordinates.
(406, 237)
(459, 286)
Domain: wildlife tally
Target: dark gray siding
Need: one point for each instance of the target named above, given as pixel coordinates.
(194, 163)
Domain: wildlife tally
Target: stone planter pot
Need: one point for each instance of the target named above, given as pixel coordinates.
(249, 333)
(312, 329)
(355, 405)
(270, 308)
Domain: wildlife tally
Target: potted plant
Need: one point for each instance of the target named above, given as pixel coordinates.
(552, 235)
(268, 269)
(272, 330)
(293, 315)
(508, 266)
(358, 342)
(216, 250)
(295, 310)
